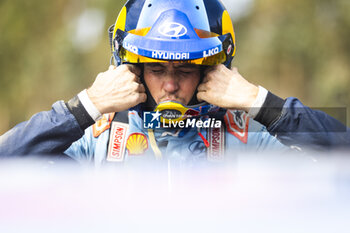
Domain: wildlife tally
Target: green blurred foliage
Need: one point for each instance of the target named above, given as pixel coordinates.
(38, 62)
(293, 48)
(298, 48)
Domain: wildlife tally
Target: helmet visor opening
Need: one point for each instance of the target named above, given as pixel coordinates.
(130, 57)
(143, 49)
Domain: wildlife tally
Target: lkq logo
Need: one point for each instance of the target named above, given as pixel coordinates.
(151, 120)
(131, 48)
(172, 29)
(211, 52)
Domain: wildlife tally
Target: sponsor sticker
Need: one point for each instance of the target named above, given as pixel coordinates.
(170, 55)
(131, 48)
(216, 150)
(172, 29)
(137, 144)
(117, 141)
(197, 147)
(211, 52)
(237, 123)
(102, 125)
(229, 49)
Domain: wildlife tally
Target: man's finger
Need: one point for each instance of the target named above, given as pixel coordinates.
(201, 96)
(234, 69)
(141, 88)
(111, 67)
(202, 87)
(142, 97)
(209, 69)
(205, 79)
(133, 77)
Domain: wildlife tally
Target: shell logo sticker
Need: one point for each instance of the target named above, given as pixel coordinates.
(137, 144)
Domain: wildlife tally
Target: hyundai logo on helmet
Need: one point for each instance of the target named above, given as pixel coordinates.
(172, 29)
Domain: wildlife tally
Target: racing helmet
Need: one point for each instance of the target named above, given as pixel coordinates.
(187, 31)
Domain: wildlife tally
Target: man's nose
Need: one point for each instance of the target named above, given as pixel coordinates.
(171, 83)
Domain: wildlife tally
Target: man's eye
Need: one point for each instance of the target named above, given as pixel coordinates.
(157, 71)
(185, 72)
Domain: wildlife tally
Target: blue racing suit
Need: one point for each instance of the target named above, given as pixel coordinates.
(295, 124)
(183, 145)
(60, 131)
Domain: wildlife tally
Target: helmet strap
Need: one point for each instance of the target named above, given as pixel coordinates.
(150, 103)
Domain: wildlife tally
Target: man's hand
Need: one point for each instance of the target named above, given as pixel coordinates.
(227, 89)
(117, 89)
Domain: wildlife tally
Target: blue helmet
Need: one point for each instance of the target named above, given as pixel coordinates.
(189, 31)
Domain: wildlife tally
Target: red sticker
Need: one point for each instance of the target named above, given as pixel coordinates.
(237, 123)
(102, 125)
(117, 141)
(216, 151)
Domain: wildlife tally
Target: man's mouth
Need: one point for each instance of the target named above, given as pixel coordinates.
(169, 99)
(172, 98)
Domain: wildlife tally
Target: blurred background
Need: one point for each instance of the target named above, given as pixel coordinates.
(51, 50)
(248, 193)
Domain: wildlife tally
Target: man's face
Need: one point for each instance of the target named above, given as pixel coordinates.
(172, 81)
